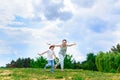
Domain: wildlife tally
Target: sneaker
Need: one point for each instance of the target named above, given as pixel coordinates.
(62, 70)
(55, 67)
(51, 71)
(44, 67)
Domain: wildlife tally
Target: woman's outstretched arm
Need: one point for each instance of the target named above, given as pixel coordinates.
(54, 45)
(69, 45)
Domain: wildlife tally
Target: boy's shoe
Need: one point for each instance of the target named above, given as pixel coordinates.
(44, 67)
(51, 71)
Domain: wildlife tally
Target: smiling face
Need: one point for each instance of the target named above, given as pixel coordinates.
(64, 42)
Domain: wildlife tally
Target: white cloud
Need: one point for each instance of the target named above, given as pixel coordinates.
(76, 53)
(5, 49)
(84, 3)
(3, 63)
(10, 9)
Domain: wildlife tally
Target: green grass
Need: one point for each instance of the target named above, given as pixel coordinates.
(41, 74)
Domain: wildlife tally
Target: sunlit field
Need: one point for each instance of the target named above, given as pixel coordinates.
(41, 74)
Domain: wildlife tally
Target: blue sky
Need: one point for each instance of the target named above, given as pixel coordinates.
(26, 26)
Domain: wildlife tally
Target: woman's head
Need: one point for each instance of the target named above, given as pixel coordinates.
(64, 41)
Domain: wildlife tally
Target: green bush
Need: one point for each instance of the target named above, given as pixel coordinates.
(108, 62)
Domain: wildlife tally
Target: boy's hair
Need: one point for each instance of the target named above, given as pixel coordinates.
(51, 46)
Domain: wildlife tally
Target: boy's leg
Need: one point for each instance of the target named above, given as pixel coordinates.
(52, 65)
(48, 64)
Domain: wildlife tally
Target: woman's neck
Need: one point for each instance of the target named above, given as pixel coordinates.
(63, 45)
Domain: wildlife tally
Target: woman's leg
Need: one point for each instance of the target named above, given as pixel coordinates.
(61, 62)
(58, 62)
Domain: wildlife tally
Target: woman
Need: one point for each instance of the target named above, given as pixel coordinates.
(62, 52)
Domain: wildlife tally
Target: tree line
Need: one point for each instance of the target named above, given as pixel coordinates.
(103, 61)
(109, 61)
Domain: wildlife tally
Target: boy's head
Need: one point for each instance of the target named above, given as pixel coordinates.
(51, 47)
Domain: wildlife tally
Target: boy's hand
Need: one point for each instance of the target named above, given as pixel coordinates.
(48, 43)
(56, 60)
(55, 57)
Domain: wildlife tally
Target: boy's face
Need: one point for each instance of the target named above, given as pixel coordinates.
(52, 48)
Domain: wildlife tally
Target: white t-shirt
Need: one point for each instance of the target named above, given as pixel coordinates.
(50, 55)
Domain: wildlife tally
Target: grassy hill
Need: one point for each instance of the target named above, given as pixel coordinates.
(41, 74)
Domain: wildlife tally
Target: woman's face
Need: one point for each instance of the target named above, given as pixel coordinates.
(64, 42)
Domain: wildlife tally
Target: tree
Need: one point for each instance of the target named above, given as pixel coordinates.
(38, 63)
(11, 65)
(77, 65)
(19, 63)
(99, 61)
(26, 62)
(108, 62)
(89, 64)
(116, 49)
(68, 62)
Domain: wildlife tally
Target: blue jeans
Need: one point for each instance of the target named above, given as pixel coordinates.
(50, 63)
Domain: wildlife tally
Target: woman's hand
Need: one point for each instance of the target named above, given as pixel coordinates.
(39, 54)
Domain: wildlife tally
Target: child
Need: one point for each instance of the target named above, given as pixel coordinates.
(50, 57)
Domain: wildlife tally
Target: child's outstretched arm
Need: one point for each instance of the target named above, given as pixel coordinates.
(54, 45)
(42, 53)
(69, 45)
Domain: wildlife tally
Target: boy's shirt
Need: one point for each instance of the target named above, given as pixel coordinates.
(50, 55)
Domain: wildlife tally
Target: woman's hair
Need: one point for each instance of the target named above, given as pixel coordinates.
(51, 46)
(64, 40)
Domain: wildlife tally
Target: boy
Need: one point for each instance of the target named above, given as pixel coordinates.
(50, 57)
